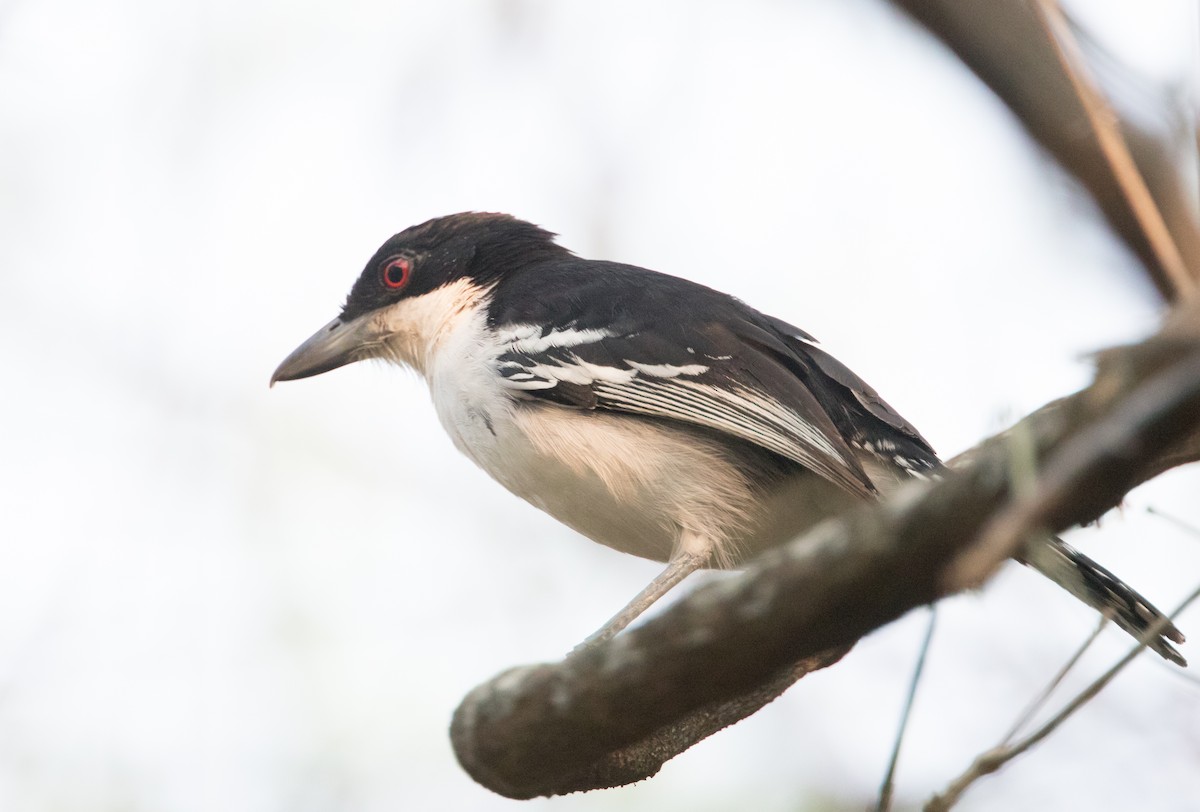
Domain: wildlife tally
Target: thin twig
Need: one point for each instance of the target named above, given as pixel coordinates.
(1104, 123)
(1039, 702)
(992, 760)
(1183, 524)
(888, 786)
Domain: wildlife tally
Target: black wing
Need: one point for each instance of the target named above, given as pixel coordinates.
(865, 419)
(619, 338)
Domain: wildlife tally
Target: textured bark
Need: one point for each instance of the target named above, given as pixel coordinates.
(492, 767)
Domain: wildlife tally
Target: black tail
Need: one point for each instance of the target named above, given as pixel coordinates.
(1100, 589)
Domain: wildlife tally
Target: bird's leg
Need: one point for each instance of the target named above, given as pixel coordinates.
(680, 567)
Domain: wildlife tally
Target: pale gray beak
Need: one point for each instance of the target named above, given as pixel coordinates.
(334, 345)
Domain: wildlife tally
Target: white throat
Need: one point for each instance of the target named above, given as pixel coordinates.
(416, 328)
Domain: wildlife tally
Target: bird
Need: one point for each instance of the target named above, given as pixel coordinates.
(649, 413)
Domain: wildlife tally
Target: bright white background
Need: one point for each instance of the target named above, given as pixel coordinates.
(216, 596)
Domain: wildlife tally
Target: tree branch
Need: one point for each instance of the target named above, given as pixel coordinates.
(613, 714)
(589, 765)
(1106, 128)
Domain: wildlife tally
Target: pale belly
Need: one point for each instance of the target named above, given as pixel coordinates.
(638, 485)
(646, 487)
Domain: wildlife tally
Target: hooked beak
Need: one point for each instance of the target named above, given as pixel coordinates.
(336, 344)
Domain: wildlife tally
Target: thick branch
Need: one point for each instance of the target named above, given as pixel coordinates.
(615, 713)
(610, 768)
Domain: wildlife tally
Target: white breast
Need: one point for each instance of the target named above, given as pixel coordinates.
(580, 467)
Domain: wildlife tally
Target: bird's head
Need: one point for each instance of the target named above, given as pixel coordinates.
(416, 283)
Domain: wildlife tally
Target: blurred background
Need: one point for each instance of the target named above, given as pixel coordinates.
(219, 596)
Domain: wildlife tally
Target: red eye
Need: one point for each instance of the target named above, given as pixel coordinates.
(396, 272)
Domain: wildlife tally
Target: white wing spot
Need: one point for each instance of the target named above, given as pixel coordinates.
(530, 385)
(910, 466)
(528, 339)
(667, 370)
(577, 371)
(605, 374)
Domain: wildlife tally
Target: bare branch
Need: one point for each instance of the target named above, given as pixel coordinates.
(1094, 461)
(887, 789)
(488, 763)
(550, 729)
(997, 757)
(1105, 126)
(1039, 702)
(1007, 47)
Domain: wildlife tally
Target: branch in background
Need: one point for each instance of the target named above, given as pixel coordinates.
(888, 787)
(991, 761)
(1006, 45)
(550, 729)
(1040, 701)
(995, 758)
(1105, 126)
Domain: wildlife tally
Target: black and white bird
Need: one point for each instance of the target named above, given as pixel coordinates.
(654, 415)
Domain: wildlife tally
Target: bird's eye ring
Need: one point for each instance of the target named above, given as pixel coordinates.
(396, 272)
